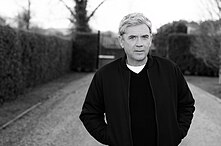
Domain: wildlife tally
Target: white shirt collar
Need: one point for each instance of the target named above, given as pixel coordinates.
(136, 69)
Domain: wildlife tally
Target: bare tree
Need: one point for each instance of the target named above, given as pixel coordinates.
(213, 8)
(24, 17)
(79, 17)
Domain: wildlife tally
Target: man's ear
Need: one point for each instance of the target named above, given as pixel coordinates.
(121, 40)
(150, 43)
(151, 39)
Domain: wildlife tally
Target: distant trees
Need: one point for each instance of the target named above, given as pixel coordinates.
(160, 39)
(207, 44)
(213, 8)
(79, 16)
(204, 44)
(210, 27)
(24, 17)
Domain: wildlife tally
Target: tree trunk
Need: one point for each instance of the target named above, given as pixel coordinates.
(220, 64)
(219, 74)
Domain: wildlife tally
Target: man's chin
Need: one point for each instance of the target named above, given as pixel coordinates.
(140, 57)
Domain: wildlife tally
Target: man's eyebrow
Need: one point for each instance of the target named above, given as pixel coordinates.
(132, 35)
(145, 35)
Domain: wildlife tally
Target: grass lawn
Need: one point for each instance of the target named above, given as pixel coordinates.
(209, 84)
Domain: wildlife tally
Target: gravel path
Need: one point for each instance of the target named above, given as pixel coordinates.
(206, 126)
(56, 122)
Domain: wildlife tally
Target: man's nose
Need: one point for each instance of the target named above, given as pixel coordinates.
(139, 42)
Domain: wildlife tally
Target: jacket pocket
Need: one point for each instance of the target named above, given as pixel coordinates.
(182, 133)
(108, 135)
(177, 135)
(180, 136)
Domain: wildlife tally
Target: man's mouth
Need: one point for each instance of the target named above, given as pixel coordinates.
(139, 51)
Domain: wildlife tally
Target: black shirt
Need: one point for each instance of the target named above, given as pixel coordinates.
(143, 122)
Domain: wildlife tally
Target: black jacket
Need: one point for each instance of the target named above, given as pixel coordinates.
(108, 95)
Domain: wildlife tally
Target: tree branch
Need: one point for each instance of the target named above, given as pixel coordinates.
(92, 14)
(218, 4)
(69, 8)
(71, 20)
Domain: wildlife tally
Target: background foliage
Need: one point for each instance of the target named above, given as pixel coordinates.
(196, 54)
(180, 52)
(28, 59)
(85, 51)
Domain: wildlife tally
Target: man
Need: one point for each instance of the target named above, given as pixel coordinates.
(145, 99)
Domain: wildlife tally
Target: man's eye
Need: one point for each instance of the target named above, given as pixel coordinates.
(146, 36)
(132, 37)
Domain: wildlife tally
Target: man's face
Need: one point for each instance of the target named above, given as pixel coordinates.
(136, 43)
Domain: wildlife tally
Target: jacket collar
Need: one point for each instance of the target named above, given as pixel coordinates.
(150, 61)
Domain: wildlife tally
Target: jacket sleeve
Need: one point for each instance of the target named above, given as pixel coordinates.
(92, 114)
(185, 104)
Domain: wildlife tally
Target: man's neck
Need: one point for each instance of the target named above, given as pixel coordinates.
(137, 63)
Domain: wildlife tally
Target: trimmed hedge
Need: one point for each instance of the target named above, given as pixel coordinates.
(85, 51)
(28, 59)
(179, 51)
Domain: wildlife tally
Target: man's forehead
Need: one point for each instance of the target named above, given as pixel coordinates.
(137, 34)
(134, 33)
(141, 29)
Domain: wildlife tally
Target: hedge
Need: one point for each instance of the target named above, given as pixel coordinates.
(85, 51)
(179, 45)
(28, 59)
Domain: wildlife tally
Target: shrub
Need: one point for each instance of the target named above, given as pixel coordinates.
(85, 52)
(28, 59)
(179, 52)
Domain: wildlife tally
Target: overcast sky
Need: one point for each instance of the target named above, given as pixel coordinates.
(52, 13)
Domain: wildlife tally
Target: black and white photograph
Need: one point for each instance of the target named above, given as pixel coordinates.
(110, 72)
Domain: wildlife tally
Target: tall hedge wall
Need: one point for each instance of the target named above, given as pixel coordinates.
(28, 59)
(85, 51)
(179, 51)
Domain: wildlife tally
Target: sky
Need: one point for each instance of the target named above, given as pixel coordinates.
(53, 13)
